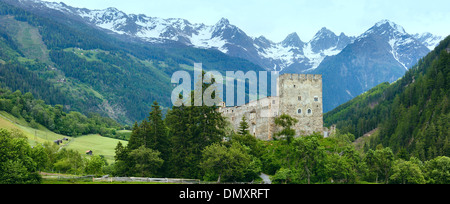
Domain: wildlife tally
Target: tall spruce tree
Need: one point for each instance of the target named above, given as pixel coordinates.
(150, 134)
(192, 128)
(177, 121)
(135, 140)
(157, 136)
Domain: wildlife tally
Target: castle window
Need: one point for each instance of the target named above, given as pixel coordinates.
(309, 111)
(299, 98)
(294, 86)
(316, 98)
(299, 111)
(253, 115)
(273, 101)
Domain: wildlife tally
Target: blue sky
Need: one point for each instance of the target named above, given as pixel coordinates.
(275, 19)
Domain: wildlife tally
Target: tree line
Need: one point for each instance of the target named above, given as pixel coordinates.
(165, 148)
(194, 142)
(54, 118)
(20, 163)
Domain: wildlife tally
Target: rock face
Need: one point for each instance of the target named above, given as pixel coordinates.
(299, 96)
(382, 54)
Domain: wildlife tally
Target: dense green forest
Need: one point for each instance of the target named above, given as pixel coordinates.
(194, 142)
(53, 117)
(412, 114)
(307, 159)
(165, 148)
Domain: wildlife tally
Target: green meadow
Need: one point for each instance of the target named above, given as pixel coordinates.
(98, 144)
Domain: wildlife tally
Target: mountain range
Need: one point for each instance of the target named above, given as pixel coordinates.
(382, 54)
(291, 53)
(350, 65)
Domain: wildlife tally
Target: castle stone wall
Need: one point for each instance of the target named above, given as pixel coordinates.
(298, 95)
(259, 114)
(301, 97)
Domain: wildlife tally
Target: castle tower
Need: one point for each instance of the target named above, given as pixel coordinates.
(300, 96)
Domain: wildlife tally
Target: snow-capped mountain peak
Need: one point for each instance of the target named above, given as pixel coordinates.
(391, 24)
(323, 33)
(323, 40)
(292, 40)
(113, 9)
(403, 47)
(384, 28)
(428, 39)
(223, 22)
(223, 27)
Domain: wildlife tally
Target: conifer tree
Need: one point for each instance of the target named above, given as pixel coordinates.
(192, 128)
(135, 138)
(243, 127)
(157, 138)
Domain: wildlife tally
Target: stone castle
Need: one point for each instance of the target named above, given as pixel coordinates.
(298, 95)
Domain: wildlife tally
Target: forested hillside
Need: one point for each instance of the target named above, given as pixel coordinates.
(53, 117)
(67, 62)
(412, 114)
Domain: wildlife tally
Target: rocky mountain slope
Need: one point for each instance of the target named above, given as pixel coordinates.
(382, 54)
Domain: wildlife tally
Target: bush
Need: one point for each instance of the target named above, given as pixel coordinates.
(16, 160)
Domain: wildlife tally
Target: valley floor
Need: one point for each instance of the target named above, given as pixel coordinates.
(98, 144)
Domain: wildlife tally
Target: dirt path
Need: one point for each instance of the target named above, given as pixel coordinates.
(265, 178)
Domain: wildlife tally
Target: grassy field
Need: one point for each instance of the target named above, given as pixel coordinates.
(39, 135)
(98, 144)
